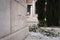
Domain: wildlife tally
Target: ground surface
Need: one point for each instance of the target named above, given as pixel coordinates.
(40, 36)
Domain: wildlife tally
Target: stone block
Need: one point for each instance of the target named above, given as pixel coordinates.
(4, 17)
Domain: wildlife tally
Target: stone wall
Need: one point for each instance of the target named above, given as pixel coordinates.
(13, 19)
(29, 2)
(4, 17)
(18, 15)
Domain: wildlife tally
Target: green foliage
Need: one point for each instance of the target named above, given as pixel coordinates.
(41, 23)
(40, 9)
(52, 11)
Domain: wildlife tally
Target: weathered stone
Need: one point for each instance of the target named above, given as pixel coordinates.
(4, 17)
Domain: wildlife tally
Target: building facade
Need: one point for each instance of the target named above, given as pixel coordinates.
(13, 19)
